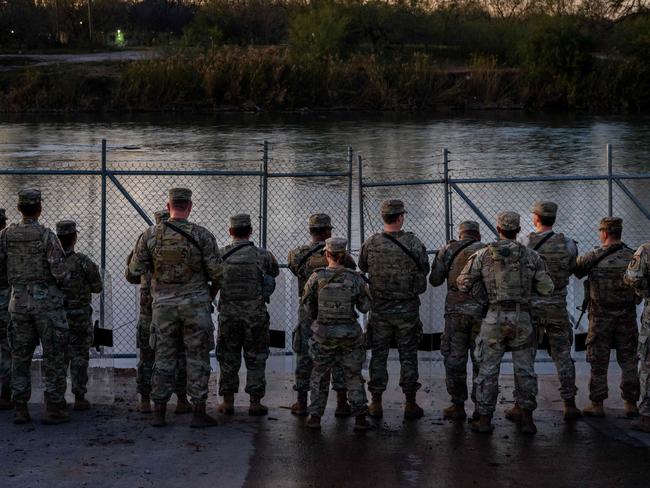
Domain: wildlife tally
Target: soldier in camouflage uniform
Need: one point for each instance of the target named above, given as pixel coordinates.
(303, 261)
(186, 272)
(32, 258)
(612, 317)
(5, 350)
(463, 314)
(397, 265)
(330, 298)
(147, 354)
(638, 276)
(84, 280)
(510, 273)
(549, 313)
(249, 274)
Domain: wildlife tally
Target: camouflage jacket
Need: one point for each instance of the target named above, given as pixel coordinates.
(302, 266)
(33, 261)
(638, 277)
(5, 290)
(444, 269)
(146, 300)
(330, 298)
(396, 280)
(510, 272)
(181, 273)
(84, 280)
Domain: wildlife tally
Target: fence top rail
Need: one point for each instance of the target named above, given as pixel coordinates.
(375, 184)
(309, 174)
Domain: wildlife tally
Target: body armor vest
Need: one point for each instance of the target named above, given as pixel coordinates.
(26, 255)
(242, 275)
(76, 290)
(555, 253)
(510, 280)
(335, 298)
(315, 261)
(606, 286)
(171, 256)
(460, 261)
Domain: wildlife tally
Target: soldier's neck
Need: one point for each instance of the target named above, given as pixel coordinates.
(334, 266)
(540, 229)
(392, 228)
(241, 239)
(68, 251)
(611, 242)
(30, 220)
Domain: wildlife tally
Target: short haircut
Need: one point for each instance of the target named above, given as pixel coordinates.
(240, 232)
(29, 209)
(391, 218)
(547, 221)
(339, 257)
(180, 205)
(510, 234)
(67, 240)
(471, 233)
(322, 232)
(616, 234)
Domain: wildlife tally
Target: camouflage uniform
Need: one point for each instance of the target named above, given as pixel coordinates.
(181, 300)
(612, 318)
(243, 319)
(396, 282)
(330, 298)
(510, 272)
(463, 313)
(84, 280)
(302, 267)
(5, 350)
(638, 276)
(33, 260)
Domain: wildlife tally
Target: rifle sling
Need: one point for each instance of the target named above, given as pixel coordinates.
(193, 241)
(236, 249)
(459, 250)
(311, 252)
(543, 241)
(403, 248)
(609, 252)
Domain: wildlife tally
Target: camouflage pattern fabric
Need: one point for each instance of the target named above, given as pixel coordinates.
(302, 333)
(243, 319)
(5, 351)
(638, 276)
(510, 273)
(395, 285)
(612, 321)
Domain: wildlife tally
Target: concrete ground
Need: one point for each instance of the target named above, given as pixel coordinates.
(112, 445)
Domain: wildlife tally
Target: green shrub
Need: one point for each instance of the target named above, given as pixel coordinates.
(320, 32)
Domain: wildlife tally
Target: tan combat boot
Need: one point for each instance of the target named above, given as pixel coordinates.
(200, 419)
(527, 425)
(483, 425)
(21, 414)
(454, 411)
(642, 424)
(183, 406)
(343, 408)
(228, 405)
(571, 412)
(361, 423)
(5, 398)
(515, 413)
(144, 405)
(313, 422)
(594, 410)
(256, 409)
(80, 403)
(159, 410)
(300, 407)
(55, 414)
(375, 409)
(411, 409)
(631, 410)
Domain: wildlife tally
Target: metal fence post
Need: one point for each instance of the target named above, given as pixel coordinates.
(103, 235)
(362, 235)
(448, 223)
(265, 188)
(610, 180)
(349, 198)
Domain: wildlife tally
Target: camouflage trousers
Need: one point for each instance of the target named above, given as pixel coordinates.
(349, 355)
(81, 339)
(147, 358)
(171, 326)
(5, 351)
(247, 333)
(301, 338)
(25, 332)
(621, 334)
(407, 332)
(501, 331)
(644, 366)
(554, 322)
(457, 340)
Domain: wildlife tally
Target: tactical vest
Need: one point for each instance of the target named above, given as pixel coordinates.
(606, 286)
(393, 274)
(456, 267)
(242, 275)
(316, 261)
(511, 281)
(171, 257)
(76, 290)
(556, 254)
(26, 255)
(335, 298)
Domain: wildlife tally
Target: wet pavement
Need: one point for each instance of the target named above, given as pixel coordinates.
(114, 445)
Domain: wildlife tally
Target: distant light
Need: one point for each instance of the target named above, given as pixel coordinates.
(81, 22)
(12, 31)
(118, 31)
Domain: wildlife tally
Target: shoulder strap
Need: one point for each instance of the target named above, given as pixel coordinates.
(544, 239)
(403, 248)
(236, 249)
(311, 252)
(459, 250)
(338, 272)
(191, 239)
(609, 252)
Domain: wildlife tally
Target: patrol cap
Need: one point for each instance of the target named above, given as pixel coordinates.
(66, 227)
(180, 195)
(508, 220)
(611, 224)
(544, 209)
(240, 221)
(392, 207)
(3, 214)
(336, 244)
(29, 196)
(161, 215)
(468, 226)
(320, 221)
